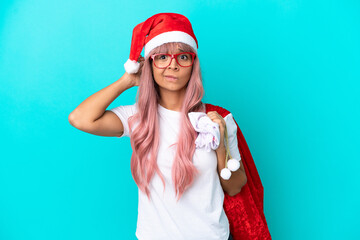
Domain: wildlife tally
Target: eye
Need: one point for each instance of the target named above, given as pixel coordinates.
(162, 56)
(184, 56)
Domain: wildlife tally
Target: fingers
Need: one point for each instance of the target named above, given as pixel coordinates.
(141, 59)
(216, 117)
(213, 114)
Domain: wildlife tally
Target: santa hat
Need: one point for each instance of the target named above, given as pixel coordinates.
(155, 31)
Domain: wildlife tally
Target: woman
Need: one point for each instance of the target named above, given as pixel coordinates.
(181, 193)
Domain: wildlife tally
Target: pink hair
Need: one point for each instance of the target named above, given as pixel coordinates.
(145, 137)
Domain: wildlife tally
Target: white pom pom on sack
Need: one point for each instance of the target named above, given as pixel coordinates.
(225, 173)
(233, 164)
(131, 66)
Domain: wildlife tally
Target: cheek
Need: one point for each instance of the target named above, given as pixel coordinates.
(155, 71)
(187, 74)
(157, 74)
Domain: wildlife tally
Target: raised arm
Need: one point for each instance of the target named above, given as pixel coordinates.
(91, 115)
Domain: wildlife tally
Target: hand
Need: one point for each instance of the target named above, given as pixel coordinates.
(215, 117)
(134, 78)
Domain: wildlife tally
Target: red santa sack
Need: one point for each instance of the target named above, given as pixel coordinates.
(245, 209)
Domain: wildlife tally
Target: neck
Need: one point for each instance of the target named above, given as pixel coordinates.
(172, 100)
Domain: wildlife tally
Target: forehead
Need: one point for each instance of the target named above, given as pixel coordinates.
(176, 49)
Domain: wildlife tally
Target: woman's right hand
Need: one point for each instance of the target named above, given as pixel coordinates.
(134, 78)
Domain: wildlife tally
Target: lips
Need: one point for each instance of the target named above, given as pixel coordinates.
(171, 77)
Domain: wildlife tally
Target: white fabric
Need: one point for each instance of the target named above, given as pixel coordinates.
(199, 213)
(209, 132)
(172, 36)
(131, 66)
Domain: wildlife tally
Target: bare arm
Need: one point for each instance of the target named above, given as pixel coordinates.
(238, 178)
(91, 115)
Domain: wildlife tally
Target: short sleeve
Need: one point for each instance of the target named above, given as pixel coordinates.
(232, 136)
(124, 112)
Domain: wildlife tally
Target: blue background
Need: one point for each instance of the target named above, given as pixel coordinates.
(287, 70)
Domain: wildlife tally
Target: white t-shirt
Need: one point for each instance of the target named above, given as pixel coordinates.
(199, 213)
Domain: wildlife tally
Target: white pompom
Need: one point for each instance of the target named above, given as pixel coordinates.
(131, 66)
(233, 164)
(225, 173)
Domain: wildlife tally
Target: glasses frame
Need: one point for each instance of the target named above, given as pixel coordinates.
(173, 56)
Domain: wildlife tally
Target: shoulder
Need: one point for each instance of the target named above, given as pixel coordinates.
(131, 107)
(127, 110)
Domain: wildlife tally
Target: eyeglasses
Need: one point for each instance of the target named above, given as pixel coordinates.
(163, 60)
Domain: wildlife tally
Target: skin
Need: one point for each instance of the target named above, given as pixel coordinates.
(238, 178)
(172, 95)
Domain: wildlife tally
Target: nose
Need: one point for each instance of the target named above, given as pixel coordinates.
(173, 64)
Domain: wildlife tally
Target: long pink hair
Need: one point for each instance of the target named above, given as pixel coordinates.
(145, 137)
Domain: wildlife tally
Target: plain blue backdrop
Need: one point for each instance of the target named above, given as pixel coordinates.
(288, 70)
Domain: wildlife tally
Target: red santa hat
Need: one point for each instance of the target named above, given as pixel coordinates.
(155, 31)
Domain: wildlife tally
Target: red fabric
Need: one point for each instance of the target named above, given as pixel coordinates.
(156, 25)
(245, 209)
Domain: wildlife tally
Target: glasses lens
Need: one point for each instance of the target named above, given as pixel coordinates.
(185, 59)
(162, 60)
